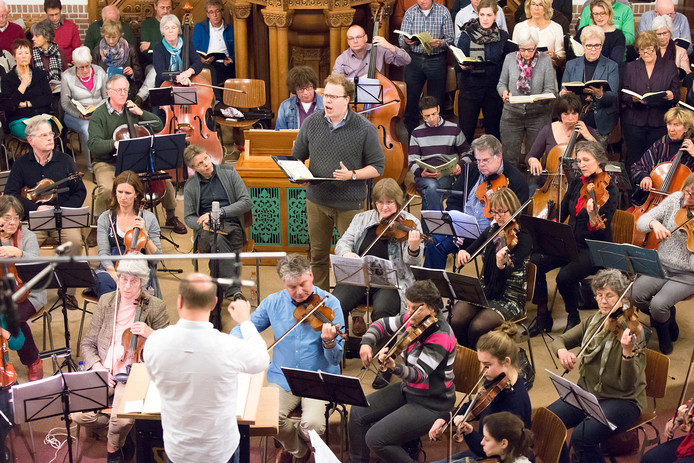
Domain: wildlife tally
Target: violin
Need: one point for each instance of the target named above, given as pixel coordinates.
(8, 376)
(314, 312)
(486, 188)
(596, 189)
(134, 240)
(132, 348)
(481, 401)
(623, 318)
(10, 269)
(411, 334)
(508, 238)
(45, 190)
(684, 219)
(398, 229)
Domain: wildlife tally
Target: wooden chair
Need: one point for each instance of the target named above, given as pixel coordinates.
(466, 368)
(254, 97)
(623, 224)
(549, 435)
(657, 366)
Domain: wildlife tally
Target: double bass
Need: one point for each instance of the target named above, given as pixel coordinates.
(191, 119)
(386, 116)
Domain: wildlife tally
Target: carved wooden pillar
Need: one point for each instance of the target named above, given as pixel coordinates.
(278, 21)
(241, 11)
(338, 21)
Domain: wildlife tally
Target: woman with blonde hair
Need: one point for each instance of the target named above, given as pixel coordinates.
(115, 55)
(614, 42)
(550, 34)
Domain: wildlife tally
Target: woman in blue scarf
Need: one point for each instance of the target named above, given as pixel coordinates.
(167, 55)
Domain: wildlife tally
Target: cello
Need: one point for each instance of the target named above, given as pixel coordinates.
(386, 116)
(667, 178)
(191, 119)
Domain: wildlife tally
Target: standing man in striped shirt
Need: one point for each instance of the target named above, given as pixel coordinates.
(435, 142)
(425, 16)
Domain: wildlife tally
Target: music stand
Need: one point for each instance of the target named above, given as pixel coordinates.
(551, 238)
(61, 395)
(626, 257)
(72, 274)
(452, 223)
(368, 271)
(3, 180)
(169, 96)
(337, 390)
(368, 91)
(453, 285)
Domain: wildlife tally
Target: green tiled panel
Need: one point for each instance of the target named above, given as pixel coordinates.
(267, 222)
(297, 230)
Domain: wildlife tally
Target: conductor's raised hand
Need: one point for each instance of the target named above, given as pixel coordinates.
(366, 354)
(240, 310)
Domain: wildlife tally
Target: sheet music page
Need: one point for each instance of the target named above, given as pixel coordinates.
(152, 403)
(587, 399)
(296, 169)
(244, 384)
(349, 270)
(321, 451)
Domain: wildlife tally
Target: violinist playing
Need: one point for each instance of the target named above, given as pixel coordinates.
(101, 350)
(125, 213)
(403, 411)
(680, 449)
(19, 241)
(680, 125)
(658, 296)
(611, 368)
(503, 274)
(587, 220)
(497, 352)
(304, 347)
(388, 199)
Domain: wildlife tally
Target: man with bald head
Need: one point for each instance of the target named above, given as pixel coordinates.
(9, 31)
(110, 12)
(197, 378)
(354, 62)
(680, 23)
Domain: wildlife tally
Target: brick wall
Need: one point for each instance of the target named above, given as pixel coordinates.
(31, 11)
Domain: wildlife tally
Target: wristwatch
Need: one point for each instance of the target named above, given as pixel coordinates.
(354, 175)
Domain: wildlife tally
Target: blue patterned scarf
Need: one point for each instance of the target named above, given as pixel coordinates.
(176, 62)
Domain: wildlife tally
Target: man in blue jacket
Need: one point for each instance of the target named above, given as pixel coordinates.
(214, 35)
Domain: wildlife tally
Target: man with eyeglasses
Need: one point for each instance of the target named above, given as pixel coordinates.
(222, 184)
(302, 81)
(109, 12)
(342, 145)
(489, 164)
(66, 33)
(680, 23)
(435, 142)
(9, 31)
(214, 36)
(354, 62)
(104, 121)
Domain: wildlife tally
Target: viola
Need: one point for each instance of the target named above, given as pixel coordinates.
(314, 312)
(667, 178)
(486, 188)
(398, 229)
(10, 269)
(387, 115)
(8, 376)
(132, 348)
(684, 219)
(411, 334)
(135, 240)
(45, 190)
(508, 238)
(596, 189)
(510, 231)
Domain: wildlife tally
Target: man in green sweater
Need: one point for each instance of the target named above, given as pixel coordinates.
(94, 32)
(103, 148)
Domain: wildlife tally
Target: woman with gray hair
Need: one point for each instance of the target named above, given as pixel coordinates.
(83, 86)
(46, 54)
(662, 26)
(102, 347)
(525, 72)
(587, 221)
(167, 55)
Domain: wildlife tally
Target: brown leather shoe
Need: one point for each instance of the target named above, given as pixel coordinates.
(358, 325)
(178, 226)
(36, 370)
(91, 238)
(71, 302)
(284, 457)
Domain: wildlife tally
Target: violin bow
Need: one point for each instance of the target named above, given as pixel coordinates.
(602, 324)
(395, 216)
(299, 322)
(464, 399)
(684, 389)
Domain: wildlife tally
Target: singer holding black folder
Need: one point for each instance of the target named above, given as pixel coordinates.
(611, 368)
(214, 202)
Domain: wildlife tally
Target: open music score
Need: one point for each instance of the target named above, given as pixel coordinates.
(295, 170)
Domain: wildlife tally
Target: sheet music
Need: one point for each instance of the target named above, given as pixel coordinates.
(585, 401)
(321, 451)
(452, 222)
(152, 403)
(244, 385)
(73, 217)
(349, 270)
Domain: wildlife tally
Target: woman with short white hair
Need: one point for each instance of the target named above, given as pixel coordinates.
(525, 72)
(167, 55)
(83, 86)
(662, 26)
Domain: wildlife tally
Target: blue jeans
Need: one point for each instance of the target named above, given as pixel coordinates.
(80, 126)
(431, 199)
(436, 252)
(423, 69)
(589, 433)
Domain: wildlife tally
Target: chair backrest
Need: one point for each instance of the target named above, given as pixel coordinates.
(254, 95)
(657, 366)
(549, 435)
(248, 218)
(622, 227)
(531, 273)
(466, 369)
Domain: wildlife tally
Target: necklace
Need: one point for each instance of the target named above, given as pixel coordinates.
(89, 77)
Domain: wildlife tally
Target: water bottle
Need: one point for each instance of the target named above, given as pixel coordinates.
(80, 366)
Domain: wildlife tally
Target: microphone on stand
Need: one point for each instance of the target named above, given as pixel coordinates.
(215, 215)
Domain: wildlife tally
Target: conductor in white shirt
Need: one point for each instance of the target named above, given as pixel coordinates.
(195, 369)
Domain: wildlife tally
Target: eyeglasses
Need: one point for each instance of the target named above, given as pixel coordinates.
(483, 161)
(304, 89)
(527, 50)
(592, 46)
(662, 34)
(647, 51)
(214, 12)
(10, 218)
(599, 13)
(493, 212)
(122, 91)
(333, 97)
(688, 193)
(355, 38)
(82, 68)
(43, 135)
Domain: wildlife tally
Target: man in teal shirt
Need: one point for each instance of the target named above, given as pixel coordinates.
(623, 20)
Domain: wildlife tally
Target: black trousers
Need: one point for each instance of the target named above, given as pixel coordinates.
(384, 302)
(568, 279)
(233, 241)
(470, 101)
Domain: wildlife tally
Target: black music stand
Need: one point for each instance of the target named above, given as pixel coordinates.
(169, 96)
(72, 274)
(367, 91)
(337, 390)
(452, 223)
(551, 238)
(453, 286)
(626, 257)
(61, 395)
